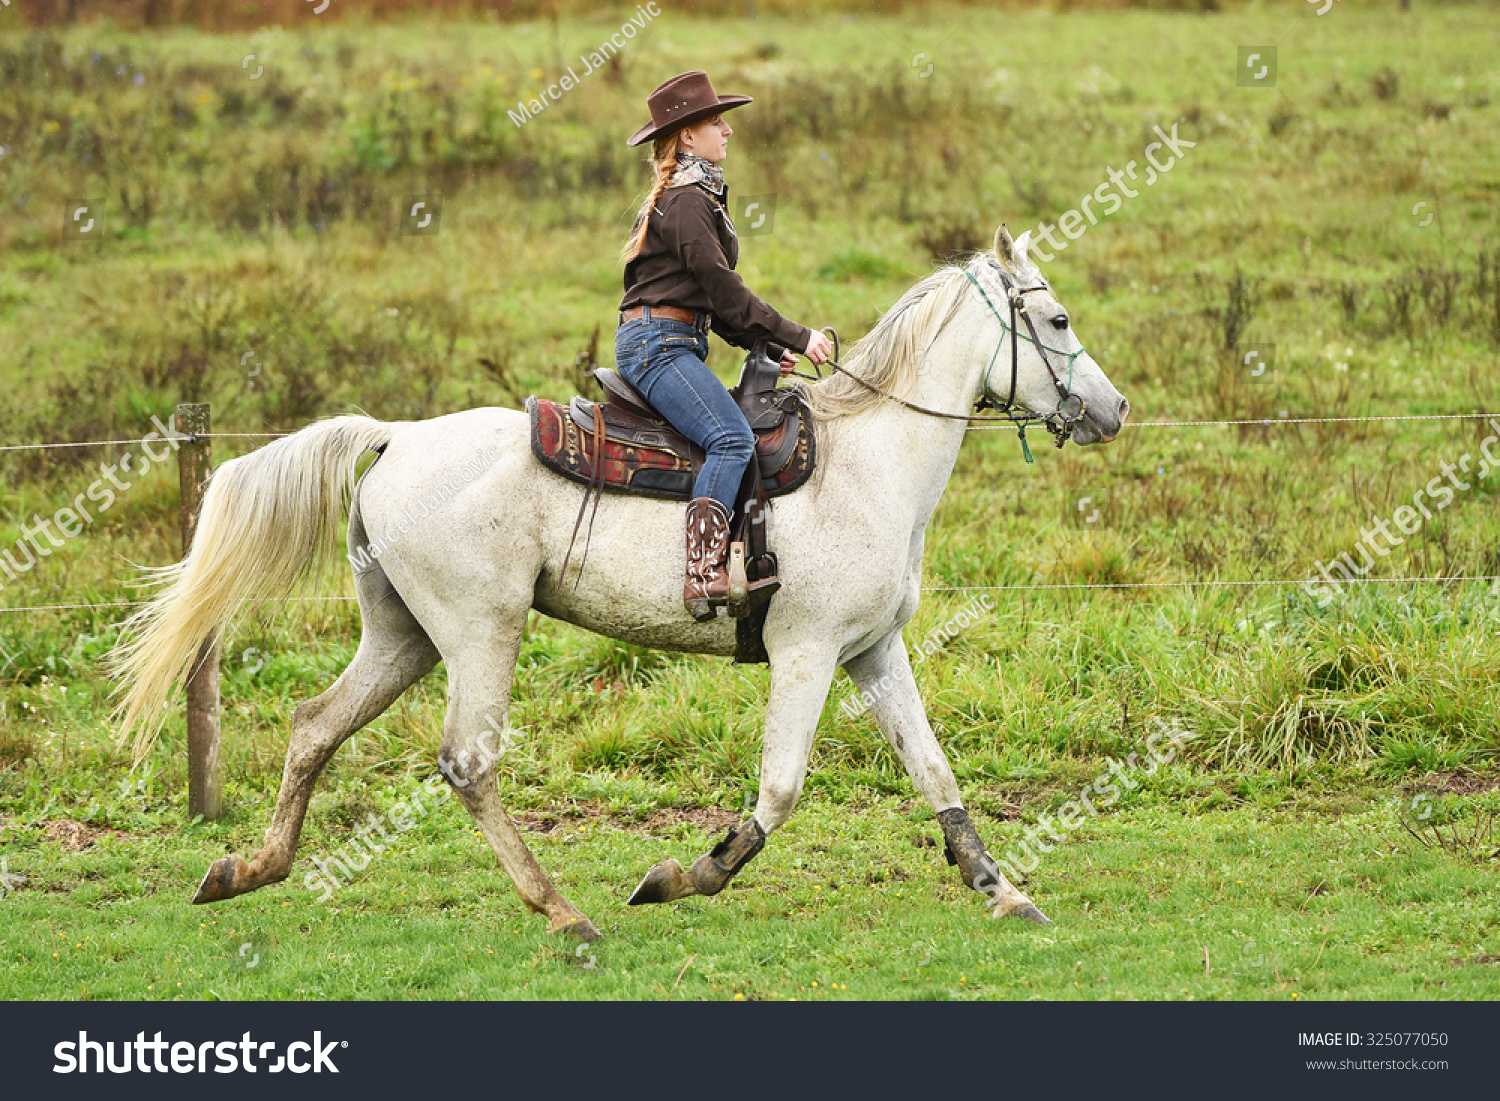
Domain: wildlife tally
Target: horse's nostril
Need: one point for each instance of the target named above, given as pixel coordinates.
(1124, 410)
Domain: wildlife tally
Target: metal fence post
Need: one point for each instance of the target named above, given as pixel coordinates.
(204, 783)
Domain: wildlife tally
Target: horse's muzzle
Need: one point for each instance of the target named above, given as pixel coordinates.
(1101, 422)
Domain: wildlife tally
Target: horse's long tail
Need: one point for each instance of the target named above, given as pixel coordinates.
(268, 520)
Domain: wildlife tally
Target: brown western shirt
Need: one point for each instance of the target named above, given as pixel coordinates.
(687, 260)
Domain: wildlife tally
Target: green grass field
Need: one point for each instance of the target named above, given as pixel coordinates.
(249, 255)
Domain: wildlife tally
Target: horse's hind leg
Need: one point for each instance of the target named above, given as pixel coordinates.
(394, 653)
(883, 673)
(476, 735)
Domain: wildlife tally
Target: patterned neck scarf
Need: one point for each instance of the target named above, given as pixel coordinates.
(693, 169)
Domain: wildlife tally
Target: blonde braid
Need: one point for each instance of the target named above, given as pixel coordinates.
(664, 162)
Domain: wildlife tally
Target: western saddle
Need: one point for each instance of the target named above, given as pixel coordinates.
(623, 445)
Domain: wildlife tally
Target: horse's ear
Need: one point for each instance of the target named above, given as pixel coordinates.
(1019, 250)
(1003, 245)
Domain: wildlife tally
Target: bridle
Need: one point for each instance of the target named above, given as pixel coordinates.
(1070, 407)
(1065, 411)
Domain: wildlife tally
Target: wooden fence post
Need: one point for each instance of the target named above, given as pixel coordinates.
(204, 784)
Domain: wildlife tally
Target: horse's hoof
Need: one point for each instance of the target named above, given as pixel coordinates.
(574, 925)
(219, 881)
(1019, 906)
(664, 883)
(1032, 914)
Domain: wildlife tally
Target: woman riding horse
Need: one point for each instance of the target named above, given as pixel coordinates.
(679, 283)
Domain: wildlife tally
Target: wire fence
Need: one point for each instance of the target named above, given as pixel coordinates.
(191, 436)
(148, 439)
(143, 603)
(1258, 423)
(1038, 587)
(1268, 421)
(1059, 587)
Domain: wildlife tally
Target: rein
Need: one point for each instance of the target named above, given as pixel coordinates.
(1008, 415)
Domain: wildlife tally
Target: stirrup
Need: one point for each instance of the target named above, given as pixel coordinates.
(750, 594)
(739, 581)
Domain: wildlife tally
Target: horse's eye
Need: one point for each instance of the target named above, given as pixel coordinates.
(1060, 322)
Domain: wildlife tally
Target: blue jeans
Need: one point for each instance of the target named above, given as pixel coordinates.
(664, 361)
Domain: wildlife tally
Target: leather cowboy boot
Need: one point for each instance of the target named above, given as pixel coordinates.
(707, 584)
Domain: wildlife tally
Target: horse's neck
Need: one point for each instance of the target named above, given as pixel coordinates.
(898, 459)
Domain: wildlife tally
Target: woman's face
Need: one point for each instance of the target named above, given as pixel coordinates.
(708, 139)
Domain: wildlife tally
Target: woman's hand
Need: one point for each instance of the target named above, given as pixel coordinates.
(788, 362)
(819, 348)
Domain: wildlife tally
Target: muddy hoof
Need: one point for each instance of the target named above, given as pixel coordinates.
(218, 883)
(579, 926)
(664, 883)
(1021, 907)
(1032, 914)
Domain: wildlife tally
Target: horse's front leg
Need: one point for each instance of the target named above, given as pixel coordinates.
(884, 677)
(799, 685)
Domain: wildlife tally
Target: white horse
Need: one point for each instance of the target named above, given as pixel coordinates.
(458, 532)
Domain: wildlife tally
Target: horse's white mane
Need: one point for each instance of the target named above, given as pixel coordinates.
(890, 355)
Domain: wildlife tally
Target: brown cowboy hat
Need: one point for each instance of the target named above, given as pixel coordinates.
(681, 101)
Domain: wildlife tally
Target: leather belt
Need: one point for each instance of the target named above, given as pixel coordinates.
(696, 318)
